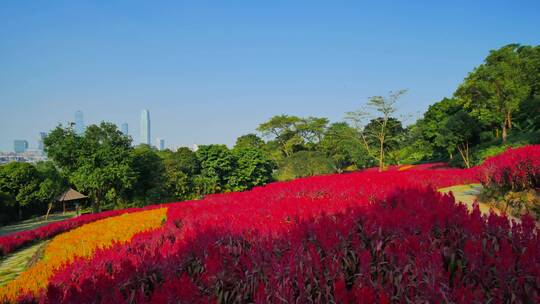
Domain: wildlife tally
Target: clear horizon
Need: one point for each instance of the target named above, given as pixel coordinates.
(209, 72)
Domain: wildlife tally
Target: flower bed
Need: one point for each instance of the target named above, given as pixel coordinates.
(514, 170)
(243, 246)
(511, 181)
(80, 243)
(360, 237)
(416, 244)
(14, 241)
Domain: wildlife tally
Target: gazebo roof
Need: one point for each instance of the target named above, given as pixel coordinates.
(70, 195)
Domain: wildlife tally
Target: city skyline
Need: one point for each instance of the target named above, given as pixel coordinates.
(213, 73)
(79, 116)
(20, 145)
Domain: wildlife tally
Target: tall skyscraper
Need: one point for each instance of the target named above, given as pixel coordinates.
(145, 127)
(79, 122)
(41, 146)
(20, 145)
(160, 144)
(124, 128)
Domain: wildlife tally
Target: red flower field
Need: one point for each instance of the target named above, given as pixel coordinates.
(361, 237)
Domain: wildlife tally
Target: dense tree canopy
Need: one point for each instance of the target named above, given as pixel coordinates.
(27, 189)
(284, 130)
(495, 89)
(249, 141)
(151, 178)
(252, 168)
(101, 164)
(343, 147)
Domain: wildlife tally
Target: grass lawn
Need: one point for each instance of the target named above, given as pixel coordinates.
(35, 222)
(13, 264)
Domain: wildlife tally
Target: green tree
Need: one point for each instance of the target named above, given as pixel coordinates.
(182, 167)
(431, 127)
(63, 145)
(495, 89)
(304, 163)
(312, 129)
(252, 168)
(52, 184)
(98, 163)
(528, 115)
(186, 161)
(150, 184)
(21, 181)
(342, 145)
(249, 141)
(376, 129)
(7, 204)
(217, 163)
(393, 130)
(413, 147)
(284, 130)
(460, 131)
(530, 67)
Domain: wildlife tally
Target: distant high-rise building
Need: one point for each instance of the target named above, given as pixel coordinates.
(79, 122)
(160, 144)
(125, 128)
(145, 127)
(195, 147)
(41, 146)
(20, 146)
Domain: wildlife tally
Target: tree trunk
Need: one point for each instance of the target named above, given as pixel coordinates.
(95, 206)
(48, 211)
(366, 145)
(497, 133)
(509, 120)
(381, 156)
(504, 134)
(464, 151)
(286, 151)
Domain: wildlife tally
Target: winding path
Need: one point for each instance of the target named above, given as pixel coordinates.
(15, 263)
(35, 223)
(467, 194)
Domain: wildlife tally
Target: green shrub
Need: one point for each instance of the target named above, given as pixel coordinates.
(494, 147)
(304, 163)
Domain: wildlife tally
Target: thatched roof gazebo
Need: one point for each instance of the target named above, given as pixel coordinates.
(68, 195)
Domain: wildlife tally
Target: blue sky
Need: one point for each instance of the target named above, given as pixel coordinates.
(210, 71)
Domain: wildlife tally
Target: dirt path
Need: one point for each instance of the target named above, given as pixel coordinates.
(13, 264)
(467, 194)
(34, 223)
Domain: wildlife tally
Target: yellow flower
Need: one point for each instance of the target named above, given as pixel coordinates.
(405, 167)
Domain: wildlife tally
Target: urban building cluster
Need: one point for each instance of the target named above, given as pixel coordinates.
(23, 152)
